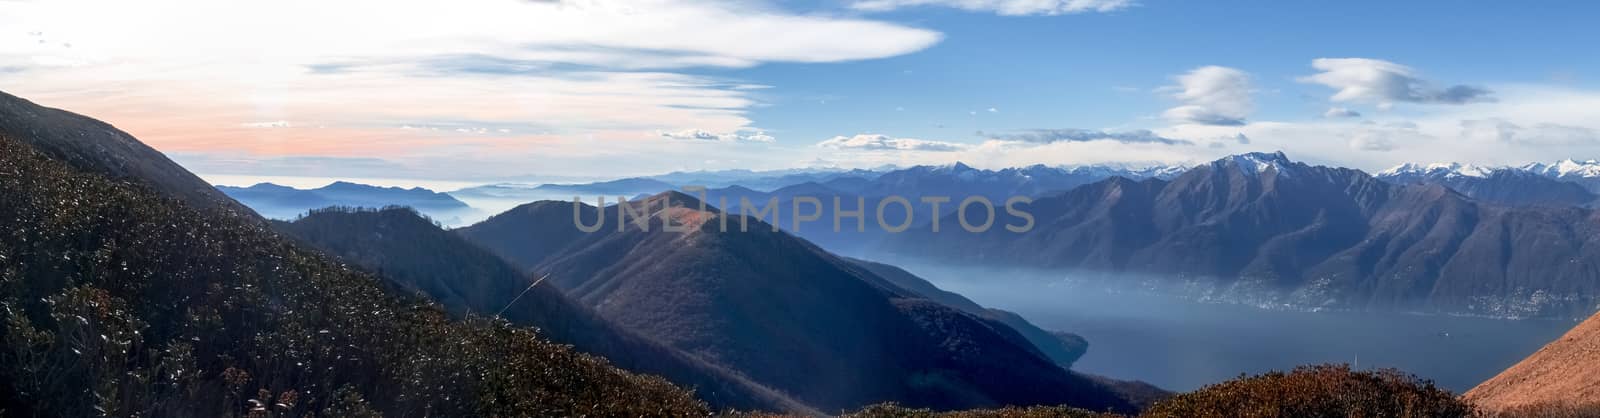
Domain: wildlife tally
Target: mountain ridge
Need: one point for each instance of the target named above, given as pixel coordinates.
(121, 298)
(1287, 233)
(825, 330)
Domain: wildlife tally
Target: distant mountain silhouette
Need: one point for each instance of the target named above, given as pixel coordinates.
(823, 329)
(282, 202)
(955, 182)
(765, 180)
(1262, 229)
(416, 255)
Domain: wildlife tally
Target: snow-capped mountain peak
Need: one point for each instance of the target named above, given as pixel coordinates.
(1255, 163)
(1567, 168)
(1438, 170)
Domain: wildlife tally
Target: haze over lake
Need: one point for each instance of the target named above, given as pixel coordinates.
(1182, 345)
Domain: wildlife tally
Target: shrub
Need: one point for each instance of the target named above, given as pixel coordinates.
(1549, 410)
(1317, 391)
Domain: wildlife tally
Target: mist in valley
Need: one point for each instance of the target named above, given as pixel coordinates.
(1183, 344)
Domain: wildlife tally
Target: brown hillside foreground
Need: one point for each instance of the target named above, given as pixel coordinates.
(1566, 371)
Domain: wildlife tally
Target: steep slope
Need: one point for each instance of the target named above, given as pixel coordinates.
(416, 255)
(1261, 229)
(116, 299)
(96, 147)
(1561, 373)
(1505, 186)
(531, 233)
(794, 317)
(1061, 347)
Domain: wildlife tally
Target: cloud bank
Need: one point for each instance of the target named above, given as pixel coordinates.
(1045, 136)
(875, 142)
(700, 135)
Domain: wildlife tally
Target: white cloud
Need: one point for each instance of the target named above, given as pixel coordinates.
(1527, 123)
(1002, 7)
(183, 74)
(700, 135)
(1043, 136)
(1212, 95)
(1340, 112)
(272, 124)
(1383, 137)
(1500, 130)
(875, 142)
(1385, 83)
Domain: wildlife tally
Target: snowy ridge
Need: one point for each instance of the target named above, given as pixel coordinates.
(1567, 168)
(1438, 170)
(1256, 163)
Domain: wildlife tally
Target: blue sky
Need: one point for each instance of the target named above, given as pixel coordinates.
(601, 88)
(1100, 70)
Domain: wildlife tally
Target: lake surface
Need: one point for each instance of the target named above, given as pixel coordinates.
(1182, 345)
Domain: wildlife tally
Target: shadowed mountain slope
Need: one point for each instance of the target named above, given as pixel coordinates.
(789, 315)
(119, 299)
(417, 255)
(1061, 347)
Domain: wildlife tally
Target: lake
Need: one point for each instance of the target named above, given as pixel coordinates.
(1182, 345)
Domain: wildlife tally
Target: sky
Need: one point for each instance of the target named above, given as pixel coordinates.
(518, 89)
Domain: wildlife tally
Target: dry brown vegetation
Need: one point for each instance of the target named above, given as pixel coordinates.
(1589, 409)
(117, 301)
(1317, 391)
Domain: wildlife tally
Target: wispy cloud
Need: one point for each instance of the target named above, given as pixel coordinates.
(875, 142)
(1385, 83)
(271, 124)
(1340, 112)
(1504, 131)
(700, 135)
(1045, 136)
(1002, 7)
(197, 76)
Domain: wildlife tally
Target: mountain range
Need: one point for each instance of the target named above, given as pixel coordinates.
(234, 313)
(1535, 184)
(1262, 229)
(128, 286)
(283, 202)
